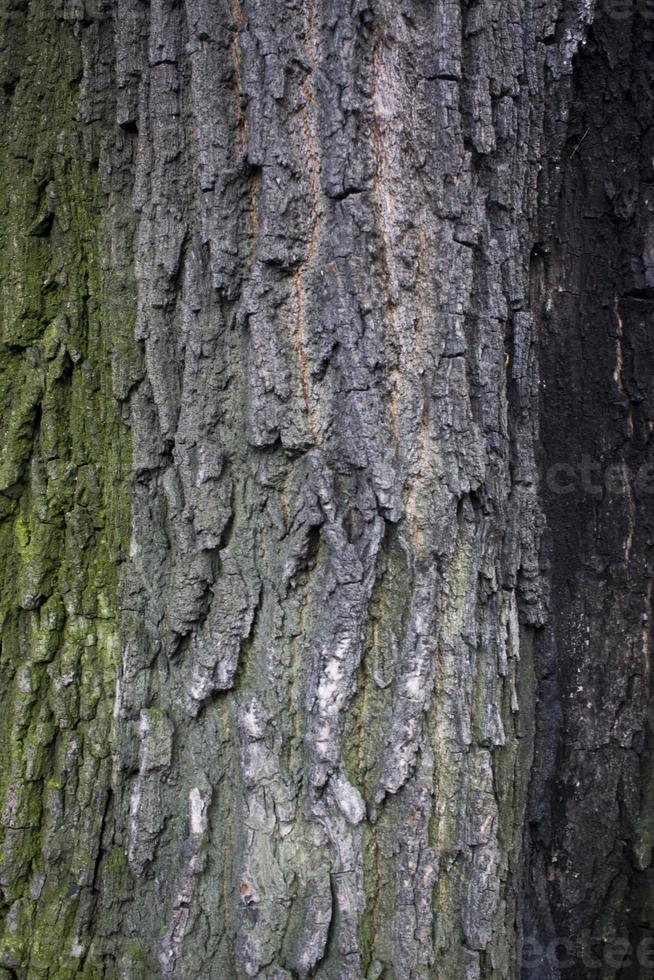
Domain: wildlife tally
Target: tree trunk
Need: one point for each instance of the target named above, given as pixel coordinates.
(325, 502)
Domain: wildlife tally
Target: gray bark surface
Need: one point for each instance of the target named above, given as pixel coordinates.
(336, 681)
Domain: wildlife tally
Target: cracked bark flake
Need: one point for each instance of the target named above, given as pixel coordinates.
(314, 661)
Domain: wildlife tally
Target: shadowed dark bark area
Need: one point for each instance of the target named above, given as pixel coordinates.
(591, 807)
(324, 502)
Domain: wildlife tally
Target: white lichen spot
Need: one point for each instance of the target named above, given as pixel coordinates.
(253, 722)
(348, 799)
(197, 812)
(413, 686)
(76, 949)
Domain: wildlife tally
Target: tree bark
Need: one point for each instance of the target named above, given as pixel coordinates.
(325, 509)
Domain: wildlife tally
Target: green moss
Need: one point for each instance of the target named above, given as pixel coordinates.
(364, 739)
(64, 509)
(365, 725)
(116, 861)
(18, 433)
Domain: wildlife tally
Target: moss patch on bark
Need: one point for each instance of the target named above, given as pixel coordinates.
(64, 511)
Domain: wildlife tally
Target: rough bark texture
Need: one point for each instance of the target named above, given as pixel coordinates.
(310, 666)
